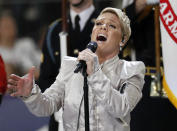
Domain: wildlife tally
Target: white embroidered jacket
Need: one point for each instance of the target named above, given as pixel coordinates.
(115, 88)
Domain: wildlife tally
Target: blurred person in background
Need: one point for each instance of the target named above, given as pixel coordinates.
(3, 79)
(19, 54)
(81, 17)
(8, 32)
(141, 14)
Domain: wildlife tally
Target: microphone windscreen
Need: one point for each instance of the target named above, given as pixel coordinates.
(92, 46)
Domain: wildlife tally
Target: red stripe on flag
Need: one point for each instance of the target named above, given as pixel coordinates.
(169, 19)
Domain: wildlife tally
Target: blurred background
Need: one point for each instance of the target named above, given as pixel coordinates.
(23, 24)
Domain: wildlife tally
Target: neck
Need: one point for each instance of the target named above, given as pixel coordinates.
(82, 7)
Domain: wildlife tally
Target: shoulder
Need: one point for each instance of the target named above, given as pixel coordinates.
(96, 13)
(55, 26)
(69, 60)
(67, 68)
(130, 68)
(24, 43)
(68, 63)
(55, 23)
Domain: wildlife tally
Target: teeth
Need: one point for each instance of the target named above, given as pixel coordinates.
(101, 35)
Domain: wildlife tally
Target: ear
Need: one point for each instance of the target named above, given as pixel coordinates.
(122, 43)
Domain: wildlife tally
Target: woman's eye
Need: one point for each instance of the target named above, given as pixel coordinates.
(112, 26)
(98, 23)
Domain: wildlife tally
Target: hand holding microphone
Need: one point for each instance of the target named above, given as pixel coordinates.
(86, 57)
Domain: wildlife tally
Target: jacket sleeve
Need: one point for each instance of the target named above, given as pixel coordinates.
(116, 102)
(45, 104)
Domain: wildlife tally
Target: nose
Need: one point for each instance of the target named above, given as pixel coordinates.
(104, 27)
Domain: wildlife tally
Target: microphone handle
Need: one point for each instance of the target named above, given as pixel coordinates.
(92, 46)
(79, 66)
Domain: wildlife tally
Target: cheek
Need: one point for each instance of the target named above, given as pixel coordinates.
(117, 37)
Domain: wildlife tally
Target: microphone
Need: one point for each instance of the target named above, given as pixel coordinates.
(92, 46)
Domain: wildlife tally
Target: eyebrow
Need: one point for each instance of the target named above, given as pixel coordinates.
(109, 19)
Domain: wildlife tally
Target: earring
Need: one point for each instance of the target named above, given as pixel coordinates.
(120, 48)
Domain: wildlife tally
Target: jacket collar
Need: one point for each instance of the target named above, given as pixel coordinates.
(107, 65)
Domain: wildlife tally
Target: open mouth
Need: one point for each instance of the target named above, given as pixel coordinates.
(101, 37)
